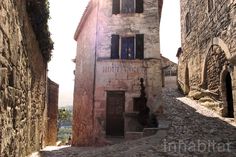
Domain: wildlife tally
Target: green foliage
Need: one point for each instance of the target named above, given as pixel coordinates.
(38, 11)
(64, 115)
(64, 124)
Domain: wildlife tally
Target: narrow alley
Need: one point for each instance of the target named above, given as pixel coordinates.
(118, 78)
(194, 131)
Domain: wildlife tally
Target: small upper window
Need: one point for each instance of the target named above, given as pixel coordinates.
(210, 5)
(188, 23)
(127, 6)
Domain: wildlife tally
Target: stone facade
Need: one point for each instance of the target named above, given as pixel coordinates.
(52, 112)
(169, 67)
(23, 80)
(206, 69)
(100, 79)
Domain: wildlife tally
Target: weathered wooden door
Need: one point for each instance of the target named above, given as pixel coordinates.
(114, 116)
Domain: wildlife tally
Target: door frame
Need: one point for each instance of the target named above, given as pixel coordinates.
(223, 90)
(106, 126)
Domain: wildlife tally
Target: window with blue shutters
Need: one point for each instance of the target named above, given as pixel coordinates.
(127, 47)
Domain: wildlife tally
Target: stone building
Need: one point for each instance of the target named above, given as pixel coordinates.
(25, 49)
(52, 112)
(169, 70)
(207, 59)
(117, 46)
(169, 67)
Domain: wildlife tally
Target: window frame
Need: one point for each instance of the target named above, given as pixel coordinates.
(121, 47)
(135, 56)
(127, 12)
(117, 7)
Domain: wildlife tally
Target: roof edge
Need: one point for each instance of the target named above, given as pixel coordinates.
(87, 11)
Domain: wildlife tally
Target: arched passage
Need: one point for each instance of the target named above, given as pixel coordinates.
(229, 96)
(215, 44)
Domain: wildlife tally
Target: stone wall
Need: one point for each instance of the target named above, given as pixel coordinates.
(22, 83)
(83, 121)
(52, 112)
(209, 49)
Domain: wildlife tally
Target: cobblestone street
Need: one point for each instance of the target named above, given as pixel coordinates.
(194, 131)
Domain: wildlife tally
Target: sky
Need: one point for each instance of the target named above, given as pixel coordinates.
(65, 16)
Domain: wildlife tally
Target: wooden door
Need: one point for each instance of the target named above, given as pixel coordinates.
(114, 116)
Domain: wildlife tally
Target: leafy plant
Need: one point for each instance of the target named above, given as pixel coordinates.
(38, 11)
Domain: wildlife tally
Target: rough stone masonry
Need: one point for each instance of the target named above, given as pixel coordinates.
(23, 76)
(206, 69)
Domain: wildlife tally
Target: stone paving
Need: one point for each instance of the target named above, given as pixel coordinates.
(195, 131)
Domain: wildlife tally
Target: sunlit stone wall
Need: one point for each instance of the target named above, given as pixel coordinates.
(22, 83)
(209, 50)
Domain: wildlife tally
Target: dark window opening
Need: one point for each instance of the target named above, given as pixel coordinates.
(128, 48)
(127, 6)
(188, 23)
(137, 104)
(210, 5)
(11, 79)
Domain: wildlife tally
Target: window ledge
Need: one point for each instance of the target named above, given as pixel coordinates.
(127, 14)
(120, 60)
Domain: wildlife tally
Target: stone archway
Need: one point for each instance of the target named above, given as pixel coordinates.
(216, 60)
(217, 45)
(217, 76)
